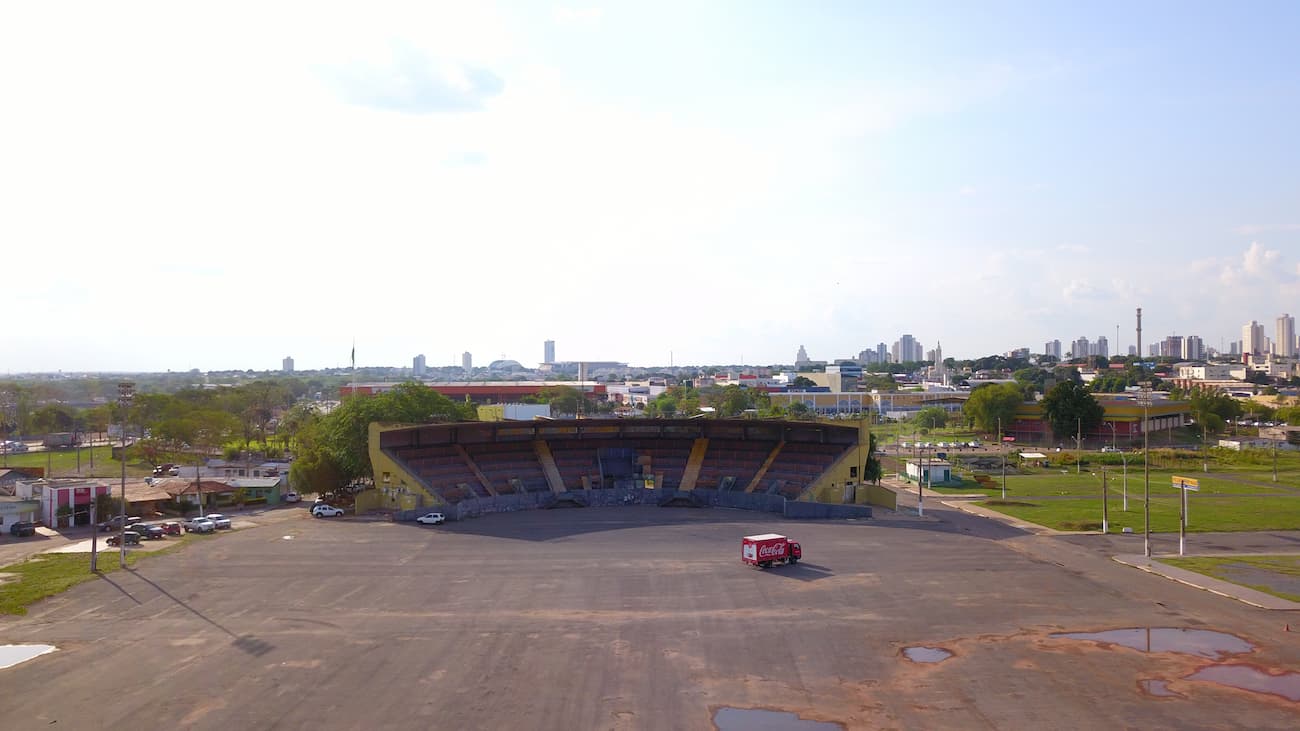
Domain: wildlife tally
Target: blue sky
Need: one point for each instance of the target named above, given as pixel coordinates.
(721, 182)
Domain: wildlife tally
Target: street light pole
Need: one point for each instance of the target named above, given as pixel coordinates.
(1002, 452)
(125, 392)
(1144, 397)
(1078, 446)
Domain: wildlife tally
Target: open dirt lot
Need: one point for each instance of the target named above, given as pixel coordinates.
(629, 618)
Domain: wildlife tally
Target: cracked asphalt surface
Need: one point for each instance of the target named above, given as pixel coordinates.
(629, 618)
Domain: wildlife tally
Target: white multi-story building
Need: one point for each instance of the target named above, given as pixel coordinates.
(1101, 347)
(1053, 349)
(1284, 344)
(419, 366)
(1193, 348)
(1252, 339)
(286, 365)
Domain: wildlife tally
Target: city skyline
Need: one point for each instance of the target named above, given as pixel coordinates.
(440, 179)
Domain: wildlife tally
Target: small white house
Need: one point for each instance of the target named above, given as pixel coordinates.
(929, 470)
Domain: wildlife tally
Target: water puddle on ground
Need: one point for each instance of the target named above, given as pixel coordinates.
(1198, 642)
(11, 655)
(926, 654)
(1158, 688)
(1248, 677)
(756, 719)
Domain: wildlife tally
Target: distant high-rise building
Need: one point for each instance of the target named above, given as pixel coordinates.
(1018, 354)
(1284, 342)
(467, 362)
(882, 353)
(418, 366)
(1252, 339)
(1102, 347)
(1234, 348)
(1080, 349)
(1172, 346)
(548, 351)
(907, 349)
(1053, 348)
(286, 365)
(801, 357)
(1193, 348)
(1133, 350)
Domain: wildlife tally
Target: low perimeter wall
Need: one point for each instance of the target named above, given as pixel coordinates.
(638, 496)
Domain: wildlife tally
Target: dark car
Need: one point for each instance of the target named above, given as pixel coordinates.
(115, 523)
(132, 538)
(23, 528)
(149, 531)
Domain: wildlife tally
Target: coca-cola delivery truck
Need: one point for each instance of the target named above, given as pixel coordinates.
(769, 548)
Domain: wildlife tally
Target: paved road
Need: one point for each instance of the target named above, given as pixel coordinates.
(627, 618)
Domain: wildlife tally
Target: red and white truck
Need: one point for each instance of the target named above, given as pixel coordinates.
(769, 548)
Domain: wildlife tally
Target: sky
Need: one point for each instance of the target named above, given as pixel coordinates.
(220, 185)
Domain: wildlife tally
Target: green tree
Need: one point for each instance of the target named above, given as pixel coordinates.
(801, 383)
(933, 417)
(989, 404)
(334, 450)
(1069, 408)
(873, 470)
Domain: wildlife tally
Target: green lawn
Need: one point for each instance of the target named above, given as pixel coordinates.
(1219, 514)
(1088, 483)
(63, 463)
(1288, 565)
(47, 574)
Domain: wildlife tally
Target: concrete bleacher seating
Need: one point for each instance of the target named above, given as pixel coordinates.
(736, 459)
(506, 461)
(798, 465)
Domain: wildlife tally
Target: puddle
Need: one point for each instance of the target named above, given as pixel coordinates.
(926, 654)
(1158, 688)
(1253, 679)
(755, 719)
(11, 655)
(1199, 642)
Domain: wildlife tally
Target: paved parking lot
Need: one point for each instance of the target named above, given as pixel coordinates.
(628, 618)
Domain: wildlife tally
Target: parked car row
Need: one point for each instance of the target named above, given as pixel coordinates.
(13, 447)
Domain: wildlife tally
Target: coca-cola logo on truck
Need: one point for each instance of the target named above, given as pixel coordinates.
(771, 550)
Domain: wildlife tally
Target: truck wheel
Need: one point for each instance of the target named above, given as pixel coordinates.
(793, 560)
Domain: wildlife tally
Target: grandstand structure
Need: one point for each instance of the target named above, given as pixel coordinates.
(444, 465)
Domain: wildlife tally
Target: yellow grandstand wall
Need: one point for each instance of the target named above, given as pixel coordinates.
(395, 488)
(829, 486)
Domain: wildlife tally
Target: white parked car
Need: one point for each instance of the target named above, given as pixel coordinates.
(325, 511)
(292, 497)
(219, 520)
(199, 525)
(431, 519)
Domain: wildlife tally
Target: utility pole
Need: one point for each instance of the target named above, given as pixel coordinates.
(1144, 398)
(125, 392)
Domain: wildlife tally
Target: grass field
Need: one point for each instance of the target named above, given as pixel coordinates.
(64, 463)
(47, 574)
(1288, 565)
(1230, 513)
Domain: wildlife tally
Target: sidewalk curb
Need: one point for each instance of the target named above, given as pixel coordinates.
(1243, 594)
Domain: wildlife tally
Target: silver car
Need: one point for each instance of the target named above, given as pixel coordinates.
(221, 521)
